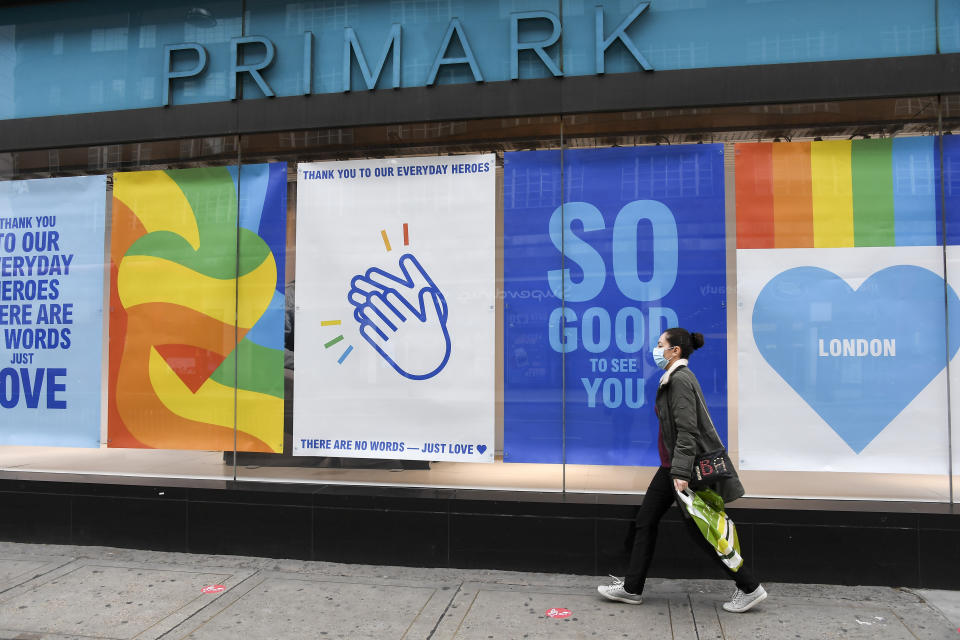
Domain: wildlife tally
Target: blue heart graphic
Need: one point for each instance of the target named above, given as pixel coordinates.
(481, 448)
(891, 337)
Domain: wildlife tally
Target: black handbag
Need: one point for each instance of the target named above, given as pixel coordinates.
(711, 467)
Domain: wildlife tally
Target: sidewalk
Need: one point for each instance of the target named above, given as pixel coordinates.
(64, 592)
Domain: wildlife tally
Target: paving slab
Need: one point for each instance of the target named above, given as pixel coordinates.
(681, 618)
(706, 616)
(491, 613)
(926, 622)
(498, 610)
(92, 599)
(18, 568)
(298, 607)
(947, 602)
(817, 622)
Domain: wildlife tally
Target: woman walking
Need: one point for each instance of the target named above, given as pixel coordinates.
(686, 431)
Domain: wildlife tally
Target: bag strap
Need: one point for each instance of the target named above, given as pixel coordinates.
(702, 404)
(684, 501)
(709, 418)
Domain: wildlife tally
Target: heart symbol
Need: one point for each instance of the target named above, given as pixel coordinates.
(481, 448)
(858, 358)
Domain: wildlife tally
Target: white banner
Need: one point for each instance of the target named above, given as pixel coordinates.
(842, 359)
(395, 309)
(953, 278)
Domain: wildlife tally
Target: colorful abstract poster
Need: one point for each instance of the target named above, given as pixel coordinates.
(51, 310)
(841, 307)
(636, 245)
(196, 330)
(395, 309)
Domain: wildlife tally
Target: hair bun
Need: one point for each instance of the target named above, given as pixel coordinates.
(697, 340)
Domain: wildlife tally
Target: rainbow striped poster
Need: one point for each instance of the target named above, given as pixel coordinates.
(841, 307)
(838, 193)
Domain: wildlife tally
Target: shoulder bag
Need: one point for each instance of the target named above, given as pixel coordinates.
(711, 466)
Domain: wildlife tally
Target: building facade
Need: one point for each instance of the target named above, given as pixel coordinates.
(379, 281)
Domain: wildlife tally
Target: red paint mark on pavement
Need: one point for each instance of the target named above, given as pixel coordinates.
(213, 588)
(558, 612)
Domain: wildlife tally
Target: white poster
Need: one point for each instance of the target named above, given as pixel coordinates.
(842, 359)
(395, 309)
(953, 277)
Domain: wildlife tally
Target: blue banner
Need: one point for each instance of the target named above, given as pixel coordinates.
(51, 310)
(637, 246)
(951, 189)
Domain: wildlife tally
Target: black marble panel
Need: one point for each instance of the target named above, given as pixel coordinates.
(139, 523)
(939, 558)
(837, 555)
(35, 517)
(523, 543)
(238, 528)
(381, 536)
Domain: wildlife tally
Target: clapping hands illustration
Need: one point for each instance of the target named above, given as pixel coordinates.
(403, 317)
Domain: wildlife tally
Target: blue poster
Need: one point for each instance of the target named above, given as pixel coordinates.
(951, 188)
(637, 246)
(51, 310)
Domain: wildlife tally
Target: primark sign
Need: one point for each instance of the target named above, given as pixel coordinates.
(528, 33)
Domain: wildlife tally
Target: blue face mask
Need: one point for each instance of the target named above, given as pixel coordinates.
(658, 357)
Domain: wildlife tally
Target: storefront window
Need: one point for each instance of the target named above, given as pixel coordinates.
(473, 304)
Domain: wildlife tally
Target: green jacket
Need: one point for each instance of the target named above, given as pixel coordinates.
(688, 430)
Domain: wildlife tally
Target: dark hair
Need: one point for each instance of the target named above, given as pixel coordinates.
(688, 342)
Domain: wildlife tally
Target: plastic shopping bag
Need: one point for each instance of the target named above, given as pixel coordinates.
(706, 509)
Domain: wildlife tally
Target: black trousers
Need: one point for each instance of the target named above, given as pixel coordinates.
(660, 496)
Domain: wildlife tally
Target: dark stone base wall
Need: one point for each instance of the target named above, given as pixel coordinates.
(581, 534)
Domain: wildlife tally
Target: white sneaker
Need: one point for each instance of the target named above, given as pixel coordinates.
(616, 592)
(745, 601)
